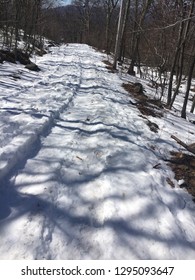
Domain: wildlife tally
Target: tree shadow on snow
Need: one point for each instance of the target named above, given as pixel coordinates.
(130, 234)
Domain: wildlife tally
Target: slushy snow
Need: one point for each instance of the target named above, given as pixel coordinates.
(77, 166)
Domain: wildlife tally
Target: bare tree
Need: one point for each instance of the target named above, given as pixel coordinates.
(186, 11)
(140, 14)
(85, 8)
(189, 81)
(109, 6)
(120, 30)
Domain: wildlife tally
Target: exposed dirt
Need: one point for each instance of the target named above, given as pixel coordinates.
(13, 57)
(147, 106)
(18, 56)
(109, 66)
(183, 165)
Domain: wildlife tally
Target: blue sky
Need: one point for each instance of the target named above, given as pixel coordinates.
(66, 1)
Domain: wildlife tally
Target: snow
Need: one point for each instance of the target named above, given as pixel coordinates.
(77, 166)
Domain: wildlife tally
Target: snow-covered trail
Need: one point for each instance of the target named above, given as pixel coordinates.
(90, 189)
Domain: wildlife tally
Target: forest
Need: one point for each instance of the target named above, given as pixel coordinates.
(157, 37)
(97, 139)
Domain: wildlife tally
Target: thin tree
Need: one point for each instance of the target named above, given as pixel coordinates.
(180, 51)
(120, 31)
(109, 6)
(138, 24)
(189, 81)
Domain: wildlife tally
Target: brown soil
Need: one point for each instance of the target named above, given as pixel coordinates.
(183, 165)
(109, 66)
(147, 106)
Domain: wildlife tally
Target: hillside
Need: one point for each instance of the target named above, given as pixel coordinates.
(85, 172)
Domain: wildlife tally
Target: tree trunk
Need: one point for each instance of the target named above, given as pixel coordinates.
(180, 48)
(137, 29)
(183, 112)
(120, 31)
(193, 105)
(169, 96)
(180, 73)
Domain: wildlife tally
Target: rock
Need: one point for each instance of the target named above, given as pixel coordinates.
(40, 52)
(131, 72)
(23, 58)
(138, 88)
(7, 56)
(32, 67)
(1, 58)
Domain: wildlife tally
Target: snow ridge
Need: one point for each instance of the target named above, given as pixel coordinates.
(38, 121)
